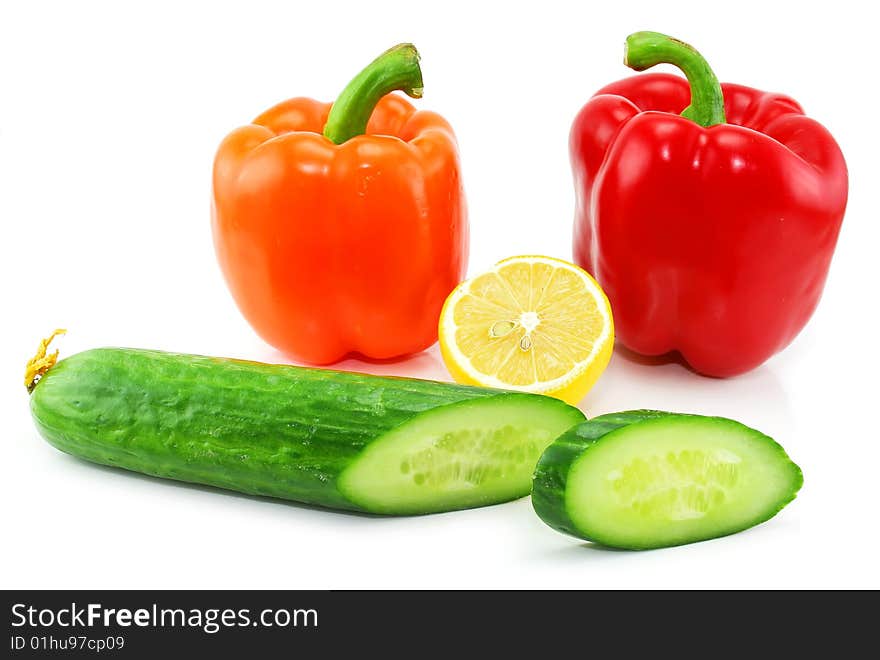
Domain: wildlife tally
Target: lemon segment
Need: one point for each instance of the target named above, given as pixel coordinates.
(532, 323)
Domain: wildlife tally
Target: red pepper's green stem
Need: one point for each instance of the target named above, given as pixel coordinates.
(395, 69)
(646, 49)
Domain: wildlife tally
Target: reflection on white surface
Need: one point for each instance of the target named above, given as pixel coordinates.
(427, 364)
(632, 382)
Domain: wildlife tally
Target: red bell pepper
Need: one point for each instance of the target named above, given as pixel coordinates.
(709, 213)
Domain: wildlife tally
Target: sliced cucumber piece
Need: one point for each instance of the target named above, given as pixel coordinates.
(457, 456)
(648, 479)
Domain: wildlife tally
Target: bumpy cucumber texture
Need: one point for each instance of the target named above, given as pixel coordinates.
(341, 440)
(648, 479)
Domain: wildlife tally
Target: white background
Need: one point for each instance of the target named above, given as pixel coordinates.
(109, 117)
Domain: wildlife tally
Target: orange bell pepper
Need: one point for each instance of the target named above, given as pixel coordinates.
(341, 229)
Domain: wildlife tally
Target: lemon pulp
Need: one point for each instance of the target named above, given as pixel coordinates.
(531, 323)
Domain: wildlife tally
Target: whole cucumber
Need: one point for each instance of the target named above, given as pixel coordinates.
(336, 439)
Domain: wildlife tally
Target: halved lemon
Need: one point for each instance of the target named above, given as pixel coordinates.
(532, 323)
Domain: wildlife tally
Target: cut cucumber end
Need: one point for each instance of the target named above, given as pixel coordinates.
(663, 480)
(458, 456)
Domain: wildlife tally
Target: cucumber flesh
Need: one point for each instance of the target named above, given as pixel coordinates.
(458, 456)
(646, 479)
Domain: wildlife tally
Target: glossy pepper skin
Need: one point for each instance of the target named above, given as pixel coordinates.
(348, 241)
(710, 240)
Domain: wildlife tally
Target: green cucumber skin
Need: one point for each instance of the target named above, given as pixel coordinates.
(272, 430)
(551, 473)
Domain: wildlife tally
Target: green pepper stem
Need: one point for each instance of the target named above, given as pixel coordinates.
(395, 69)
(646, 49)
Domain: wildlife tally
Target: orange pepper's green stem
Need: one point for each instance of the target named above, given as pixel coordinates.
(395, 69)
(646, 49)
